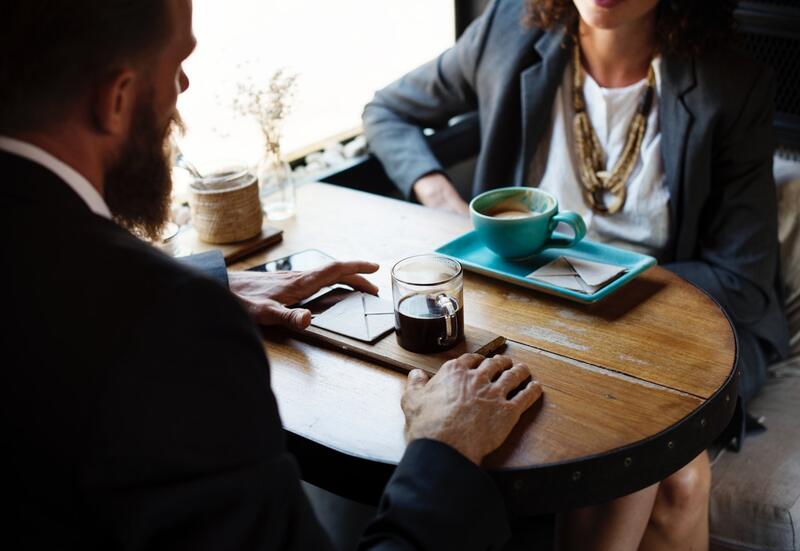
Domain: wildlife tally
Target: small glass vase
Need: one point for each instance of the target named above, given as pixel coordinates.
(276, 187)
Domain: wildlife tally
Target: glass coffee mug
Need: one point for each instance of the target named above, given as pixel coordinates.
(428, 295)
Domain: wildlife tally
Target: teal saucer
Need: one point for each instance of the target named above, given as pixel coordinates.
(475, 257)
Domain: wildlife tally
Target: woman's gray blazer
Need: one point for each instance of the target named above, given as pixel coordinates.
(715, 114)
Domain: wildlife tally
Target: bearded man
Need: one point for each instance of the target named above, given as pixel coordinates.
(135, 397)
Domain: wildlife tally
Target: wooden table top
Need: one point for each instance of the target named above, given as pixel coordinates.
(635, 385)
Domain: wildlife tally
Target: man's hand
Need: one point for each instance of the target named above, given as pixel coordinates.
(466, 404)
(267, 295)
(435, 191)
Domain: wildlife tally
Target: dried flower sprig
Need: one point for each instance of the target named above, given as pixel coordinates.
(269, 106)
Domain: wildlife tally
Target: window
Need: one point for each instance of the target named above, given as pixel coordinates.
(342, 51)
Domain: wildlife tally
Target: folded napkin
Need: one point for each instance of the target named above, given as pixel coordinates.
(583, 276)
(359, 316)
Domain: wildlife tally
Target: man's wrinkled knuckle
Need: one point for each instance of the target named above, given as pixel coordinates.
(523, 368)
(513, 409)
(519, 374)
(302, 279)
(480, 385)
(501, 361)
(471, 359)
(286, 315)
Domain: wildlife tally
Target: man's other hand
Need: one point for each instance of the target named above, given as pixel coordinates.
(267, 296)
(435, 190)
(467, 405)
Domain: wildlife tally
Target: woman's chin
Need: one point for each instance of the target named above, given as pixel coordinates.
(612, 14)
(601, 19)
(600, 14)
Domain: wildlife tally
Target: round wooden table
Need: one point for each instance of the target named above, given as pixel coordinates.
(635, 385)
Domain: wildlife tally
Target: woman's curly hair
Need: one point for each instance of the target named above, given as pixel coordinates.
(683, 26)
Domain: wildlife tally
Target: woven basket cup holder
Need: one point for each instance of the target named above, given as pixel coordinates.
(226, 207)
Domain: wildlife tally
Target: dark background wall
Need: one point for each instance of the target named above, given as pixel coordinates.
(771, 32)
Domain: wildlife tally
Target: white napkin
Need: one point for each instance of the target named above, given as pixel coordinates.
(583, 276)
(360, 316)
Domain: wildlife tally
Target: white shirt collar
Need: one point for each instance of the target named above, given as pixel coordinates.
(72, 177)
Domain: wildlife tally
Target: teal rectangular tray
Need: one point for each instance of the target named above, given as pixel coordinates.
(474, 256)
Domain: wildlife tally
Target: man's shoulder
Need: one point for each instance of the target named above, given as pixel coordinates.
(85, 273)
(150, 282)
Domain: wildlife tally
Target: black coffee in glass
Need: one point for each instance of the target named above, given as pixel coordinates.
(429, 323)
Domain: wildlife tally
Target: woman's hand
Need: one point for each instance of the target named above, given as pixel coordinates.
(435, 190)
(267, 295)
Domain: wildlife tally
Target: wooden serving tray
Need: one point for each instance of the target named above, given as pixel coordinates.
(387, 351)
(188, 240)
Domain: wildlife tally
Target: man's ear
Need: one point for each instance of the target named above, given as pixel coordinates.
(114, 102)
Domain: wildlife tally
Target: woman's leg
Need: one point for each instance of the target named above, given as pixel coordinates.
(614, 526)
(680, 512)
(670, 515)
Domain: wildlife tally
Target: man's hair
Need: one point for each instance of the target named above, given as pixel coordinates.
(683, 26)
(53, 52)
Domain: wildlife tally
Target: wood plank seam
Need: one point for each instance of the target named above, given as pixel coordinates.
(608, 371)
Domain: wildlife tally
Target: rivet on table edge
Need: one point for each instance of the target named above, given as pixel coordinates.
(670, 444)
(576, 476)
(703, 422)
(628, 461)
(727, 398)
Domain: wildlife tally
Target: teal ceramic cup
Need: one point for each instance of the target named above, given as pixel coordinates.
(518, 222)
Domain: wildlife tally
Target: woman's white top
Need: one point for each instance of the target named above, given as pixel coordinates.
(643, 223)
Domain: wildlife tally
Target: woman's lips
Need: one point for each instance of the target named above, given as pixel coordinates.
(607, 3)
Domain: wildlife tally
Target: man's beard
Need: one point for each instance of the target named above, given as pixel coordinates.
(138, 182)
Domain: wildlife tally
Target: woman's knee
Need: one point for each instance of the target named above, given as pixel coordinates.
(685, 491)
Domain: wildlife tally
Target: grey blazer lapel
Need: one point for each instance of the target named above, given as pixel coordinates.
(539, 83)
(676, 118)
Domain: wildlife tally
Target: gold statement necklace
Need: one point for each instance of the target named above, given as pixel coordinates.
(598, 183)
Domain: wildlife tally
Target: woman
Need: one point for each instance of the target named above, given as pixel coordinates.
(636, 114)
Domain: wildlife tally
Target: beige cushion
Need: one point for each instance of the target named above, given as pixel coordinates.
(755, 494)
(789, 235)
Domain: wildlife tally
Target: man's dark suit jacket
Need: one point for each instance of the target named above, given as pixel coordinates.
(715, 115)
(137, 411)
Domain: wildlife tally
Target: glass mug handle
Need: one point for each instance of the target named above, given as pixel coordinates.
(450, 320)
(573, 220)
